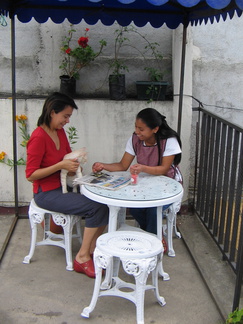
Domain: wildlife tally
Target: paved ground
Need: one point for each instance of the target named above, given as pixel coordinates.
(216, 273)
(44, 292)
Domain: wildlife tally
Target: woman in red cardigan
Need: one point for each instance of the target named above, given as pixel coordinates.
(45, 151)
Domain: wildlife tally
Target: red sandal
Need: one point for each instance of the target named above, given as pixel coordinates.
(86, 268)
(164, 245)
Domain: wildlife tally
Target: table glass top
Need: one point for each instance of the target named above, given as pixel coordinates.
(148, 188)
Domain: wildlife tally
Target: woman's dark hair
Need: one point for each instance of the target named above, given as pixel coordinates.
(152, 118)
(57, 102)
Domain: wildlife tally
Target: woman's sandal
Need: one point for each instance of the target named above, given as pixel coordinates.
(86, 268)
(164, 245)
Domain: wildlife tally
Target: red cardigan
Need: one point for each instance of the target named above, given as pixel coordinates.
(42, 153)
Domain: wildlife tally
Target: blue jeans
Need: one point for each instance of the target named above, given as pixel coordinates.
(147, 218)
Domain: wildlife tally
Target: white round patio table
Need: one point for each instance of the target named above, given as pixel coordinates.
(150, 191)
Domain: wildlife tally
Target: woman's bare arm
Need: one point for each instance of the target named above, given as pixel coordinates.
(71, 165)
(155, 170)
(123, 165)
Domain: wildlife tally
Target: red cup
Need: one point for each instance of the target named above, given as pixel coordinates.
(134, 179)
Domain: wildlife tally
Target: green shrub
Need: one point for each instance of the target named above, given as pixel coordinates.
(235, 317)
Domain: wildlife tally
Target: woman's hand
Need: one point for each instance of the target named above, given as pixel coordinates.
(123, 165)
(154, 170)
(97, 167)
(71, 165)
(136, 168)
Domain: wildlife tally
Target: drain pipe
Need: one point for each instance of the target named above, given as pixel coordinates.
(183, 58)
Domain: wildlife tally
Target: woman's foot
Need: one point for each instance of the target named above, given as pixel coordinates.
(85, 267)
(164, 245)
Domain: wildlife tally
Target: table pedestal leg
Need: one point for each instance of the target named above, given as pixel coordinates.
(121, 218)
(113, 215)
(116, 215)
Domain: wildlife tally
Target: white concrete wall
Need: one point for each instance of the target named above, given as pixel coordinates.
(217, 73)
(38, 57)
(104, 127)
(218, 68)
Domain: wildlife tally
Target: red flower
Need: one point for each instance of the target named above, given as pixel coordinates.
(75, 58)
(83, 41)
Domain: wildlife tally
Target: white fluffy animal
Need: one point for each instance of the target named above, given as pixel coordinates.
(81, 156)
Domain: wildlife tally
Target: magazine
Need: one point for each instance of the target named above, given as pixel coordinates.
(104, 180)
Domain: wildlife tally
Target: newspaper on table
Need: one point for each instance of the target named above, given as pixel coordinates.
(104, 180)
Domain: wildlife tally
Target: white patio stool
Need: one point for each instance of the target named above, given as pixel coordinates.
(37, 215)
(140, 254)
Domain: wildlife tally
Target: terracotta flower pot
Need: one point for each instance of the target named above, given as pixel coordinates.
(54, 228)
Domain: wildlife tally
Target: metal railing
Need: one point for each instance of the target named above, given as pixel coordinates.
(218, 187)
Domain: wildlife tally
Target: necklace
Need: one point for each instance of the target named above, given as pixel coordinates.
(144, 144)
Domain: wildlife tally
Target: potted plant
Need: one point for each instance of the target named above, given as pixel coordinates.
(117, 86)
(155, 87)
(75, 58)
(235, 317)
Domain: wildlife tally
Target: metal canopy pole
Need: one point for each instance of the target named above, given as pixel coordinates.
(15, 219)
(183, 58)
(14, 114)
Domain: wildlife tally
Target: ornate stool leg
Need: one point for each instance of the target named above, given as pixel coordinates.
(78, 227)
(34, 218)
(141, 280)
(67, 229)
(140, 269)
(65, 222)
(171, 224)
(155, 273)
(165, 275)
(107, 282)
(100, 261)
(170, 221)
(177, 234)
(47, 226)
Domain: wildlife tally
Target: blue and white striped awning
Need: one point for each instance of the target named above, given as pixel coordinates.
(156, 12)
